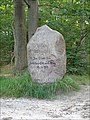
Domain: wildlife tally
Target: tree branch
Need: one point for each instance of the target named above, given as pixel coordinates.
(27, 3)
(82, 39)
(84, 35)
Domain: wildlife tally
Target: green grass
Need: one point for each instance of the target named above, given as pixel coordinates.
(23, 86)
(81, 80)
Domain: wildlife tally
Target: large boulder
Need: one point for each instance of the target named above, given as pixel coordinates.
(46, 53)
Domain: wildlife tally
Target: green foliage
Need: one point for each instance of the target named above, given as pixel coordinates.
(84, 80)
(6, 33)
(23, 86)
(75, 65)
(65, 17)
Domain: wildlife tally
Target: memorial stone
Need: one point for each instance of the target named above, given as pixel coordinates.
(46, 55)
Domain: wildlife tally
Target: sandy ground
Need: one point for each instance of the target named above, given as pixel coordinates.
(74, 106)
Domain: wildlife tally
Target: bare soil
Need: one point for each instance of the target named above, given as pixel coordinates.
(73, 106)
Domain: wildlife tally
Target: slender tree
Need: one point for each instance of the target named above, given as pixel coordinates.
(32, 17)
(19, 36)
(82, 26)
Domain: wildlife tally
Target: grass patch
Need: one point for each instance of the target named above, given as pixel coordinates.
(82, 80)
(23, 86)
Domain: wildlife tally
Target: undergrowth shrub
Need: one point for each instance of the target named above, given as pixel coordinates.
(75, 64)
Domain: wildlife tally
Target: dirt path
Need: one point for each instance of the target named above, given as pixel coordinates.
(74, 106)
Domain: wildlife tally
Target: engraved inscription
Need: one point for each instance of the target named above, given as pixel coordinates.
(42, 62)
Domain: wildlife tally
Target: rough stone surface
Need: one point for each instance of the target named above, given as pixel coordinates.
(46, 55)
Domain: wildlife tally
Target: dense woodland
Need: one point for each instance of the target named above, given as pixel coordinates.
(69, 17)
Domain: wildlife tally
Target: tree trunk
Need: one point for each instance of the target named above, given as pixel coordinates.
(20, 36)
(82, 39)
(32, 17)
